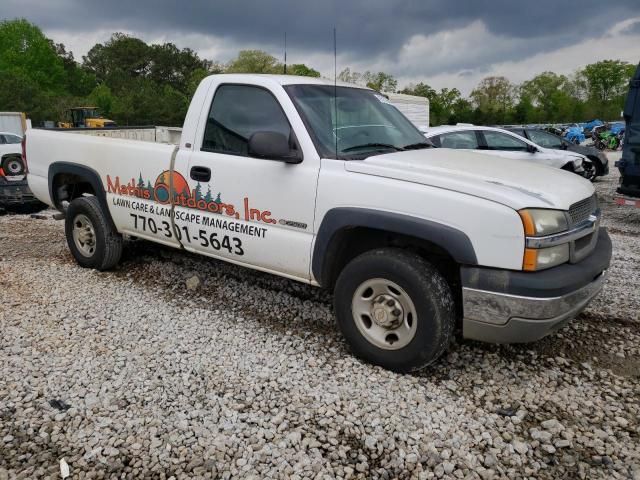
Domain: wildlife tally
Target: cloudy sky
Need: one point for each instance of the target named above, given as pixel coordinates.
(446, 43)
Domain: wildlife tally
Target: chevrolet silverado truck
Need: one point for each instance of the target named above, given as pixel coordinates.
(330, 185)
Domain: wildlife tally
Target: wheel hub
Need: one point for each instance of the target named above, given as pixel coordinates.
(386, 311)
(84, 235)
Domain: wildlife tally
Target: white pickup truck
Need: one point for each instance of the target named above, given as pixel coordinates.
(330, 185)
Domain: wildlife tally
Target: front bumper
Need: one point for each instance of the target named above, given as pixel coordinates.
(503, 306)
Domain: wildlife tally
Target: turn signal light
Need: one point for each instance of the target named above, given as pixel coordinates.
(527, 223)
(530, 260)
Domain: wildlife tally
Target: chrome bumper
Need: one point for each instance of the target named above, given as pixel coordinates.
(504, 306)
(503, 318)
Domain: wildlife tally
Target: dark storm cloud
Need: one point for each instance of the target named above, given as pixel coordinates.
(366, 28)
(632, 29)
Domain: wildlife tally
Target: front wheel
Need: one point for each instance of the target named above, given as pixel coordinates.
(93, 242)
(590, 172)
(394, 309)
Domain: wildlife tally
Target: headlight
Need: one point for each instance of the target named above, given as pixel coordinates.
(538, 222)
(541, 258)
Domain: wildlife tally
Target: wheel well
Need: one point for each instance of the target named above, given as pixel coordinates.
(568, 167)
(348, 243)
(596, 163)
(68, 186)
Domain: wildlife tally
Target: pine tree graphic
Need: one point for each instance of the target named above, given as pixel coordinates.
(150, 188)
(218, 198)
(208, 197)
(140, 181)
(198, 192)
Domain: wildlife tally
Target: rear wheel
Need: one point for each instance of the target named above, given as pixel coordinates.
(93, 242)
(394, 309)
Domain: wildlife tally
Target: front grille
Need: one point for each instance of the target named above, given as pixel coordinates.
(580, 211)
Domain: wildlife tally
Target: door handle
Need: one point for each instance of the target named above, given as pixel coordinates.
(200, 174)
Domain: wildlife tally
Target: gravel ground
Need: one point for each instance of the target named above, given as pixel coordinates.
(132, 374)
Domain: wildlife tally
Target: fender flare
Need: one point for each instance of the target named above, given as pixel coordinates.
(86, 173)
(450, 239)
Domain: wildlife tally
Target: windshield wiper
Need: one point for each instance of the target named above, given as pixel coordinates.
(374, 145)
(419, 145)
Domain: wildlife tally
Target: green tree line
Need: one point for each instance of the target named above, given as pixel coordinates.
(135, 83)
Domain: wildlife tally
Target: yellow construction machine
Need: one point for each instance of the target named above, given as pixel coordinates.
(86, 117)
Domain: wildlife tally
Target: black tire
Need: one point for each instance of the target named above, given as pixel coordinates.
(13, 165)
(590, 171)
(426, 288)
(107, 242)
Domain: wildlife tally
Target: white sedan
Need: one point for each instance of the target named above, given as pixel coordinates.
(500, 142)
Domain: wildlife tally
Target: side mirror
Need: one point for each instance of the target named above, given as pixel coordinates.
(531, 148)
(272, 146)
(563, 146)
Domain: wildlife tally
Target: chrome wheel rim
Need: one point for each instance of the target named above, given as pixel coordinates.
(384, 314)
(84, 235)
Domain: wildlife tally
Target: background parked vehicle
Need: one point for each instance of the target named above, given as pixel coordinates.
(599, 165)
(11, 163)
(503, 143)
(604, 139)
(86, 117)
(629, 164)
(15, 195)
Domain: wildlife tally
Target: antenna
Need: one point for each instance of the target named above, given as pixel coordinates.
(285, 53)
(335, 86)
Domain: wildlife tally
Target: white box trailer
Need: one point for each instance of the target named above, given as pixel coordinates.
(415, 108)
(14, 122)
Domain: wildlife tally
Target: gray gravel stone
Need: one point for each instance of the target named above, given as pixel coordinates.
(246, 376)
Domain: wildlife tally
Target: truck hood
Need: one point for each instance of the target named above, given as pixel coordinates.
(517, 184)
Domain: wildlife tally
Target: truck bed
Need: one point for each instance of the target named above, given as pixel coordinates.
(105, 155)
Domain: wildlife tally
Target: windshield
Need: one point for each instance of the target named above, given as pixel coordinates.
(363, 124)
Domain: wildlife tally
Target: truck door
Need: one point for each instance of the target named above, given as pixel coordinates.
(253, 211)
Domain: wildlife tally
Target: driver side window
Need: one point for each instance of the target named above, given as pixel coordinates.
(502, 141)
(237, 112)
